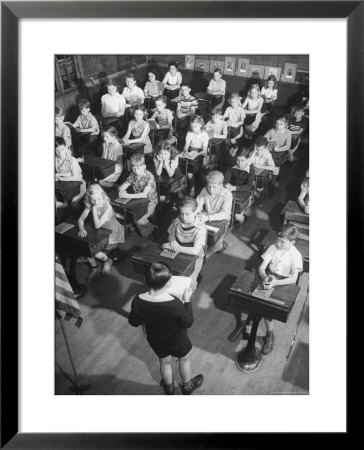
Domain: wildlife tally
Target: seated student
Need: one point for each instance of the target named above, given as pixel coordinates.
(216, 128)
(133, 95)
(239, 178)
(280, 136)
(252, 107)
(113, 105)
(187, 234)
(166, 167)
(197, 141)
(283, 262)
(297, 126)
(153, 88)
(113, 150)
(103, 215)
(62, 129)
(269, 94)
(261, 158)
(215, 203)
(143, 184)
(172, 80)
(234, 113)
(216, 90)
(304, 197)
(68, 174)
(137, 137)
(166, 319)
(186, 103)
(85, 123)
(228, 158)
(163, 116)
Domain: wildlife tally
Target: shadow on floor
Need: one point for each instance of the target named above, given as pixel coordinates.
(296, 371)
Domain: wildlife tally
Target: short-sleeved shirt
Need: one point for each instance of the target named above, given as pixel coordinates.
(197, 140)
(217, 86)
(252, 104)
(234, 115)
(153, 88)
(139, 183)
(265, 159)
(132, 95)
(64, 132)
(113, 104)
(295, 125)
(216, 128)
(281, 139)
(217, 206)
(113, 151)
(173, 79)
(186, 104)
(283, 262)
(305, 189)
(68, 165)
(137, 129)
(86, 122)
(188, 235)
(164, 118)
(269, 93)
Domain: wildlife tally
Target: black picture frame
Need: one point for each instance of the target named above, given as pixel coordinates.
(11, 13)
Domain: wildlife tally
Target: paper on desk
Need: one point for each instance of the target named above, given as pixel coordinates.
(178, 286)
(63, 227)
(211, 228)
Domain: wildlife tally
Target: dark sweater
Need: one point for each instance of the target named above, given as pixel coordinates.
(242, 179)
(166, 322)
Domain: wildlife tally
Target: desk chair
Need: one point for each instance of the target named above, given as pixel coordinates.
(261, 180)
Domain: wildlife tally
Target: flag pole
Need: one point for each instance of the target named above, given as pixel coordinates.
(77, 389)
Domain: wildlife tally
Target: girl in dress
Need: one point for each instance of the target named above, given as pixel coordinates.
(153, 87)
(103, 215)
(166, 168)
(137, 137)
(172, 81)
(269, 94)
(252, 105)
(113, 150)
(113, 105)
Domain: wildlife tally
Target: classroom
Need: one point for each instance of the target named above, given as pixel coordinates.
(182, 224)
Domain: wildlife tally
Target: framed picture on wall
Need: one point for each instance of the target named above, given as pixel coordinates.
(202, 64)
(276, 71)
(243, 67)
(215, 63)
(256, 71)
(289, 73)
(229, 68)
(189, 62)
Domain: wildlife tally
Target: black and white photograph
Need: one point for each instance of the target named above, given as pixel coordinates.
(182, 225)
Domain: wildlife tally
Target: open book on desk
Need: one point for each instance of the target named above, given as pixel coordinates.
(122, 201)
(265, 294)
(63, 227)
(178, 286)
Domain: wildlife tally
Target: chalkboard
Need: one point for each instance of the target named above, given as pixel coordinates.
(101, 66)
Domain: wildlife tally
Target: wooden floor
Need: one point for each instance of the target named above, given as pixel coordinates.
(115, 358)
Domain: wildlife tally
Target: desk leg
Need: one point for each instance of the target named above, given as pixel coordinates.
(78, 289)
(249, 359)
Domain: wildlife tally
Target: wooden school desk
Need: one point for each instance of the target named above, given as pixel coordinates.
(133, 210)
(277, 307)
(213, 235)
(182, 264)
(69, 244)
(302, 245)
(292, 213)
(95, 168)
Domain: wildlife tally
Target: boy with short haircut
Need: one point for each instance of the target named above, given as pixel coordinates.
(62, 129)
(217, 128)
(163, 117)
(216, 90)
(85, 122)
(187, 104)
(261, 158)
(282, 262)
(240, 178)
(187, 234)
(215, 203)
(144, 186)
(297, 126)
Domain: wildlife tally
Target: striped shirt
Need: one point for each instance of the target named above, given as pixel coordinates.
(163, 118)
(186, 104)
(188, 235)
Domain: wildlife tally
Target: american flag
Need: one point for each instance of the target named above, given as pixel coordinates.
(65, 298)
